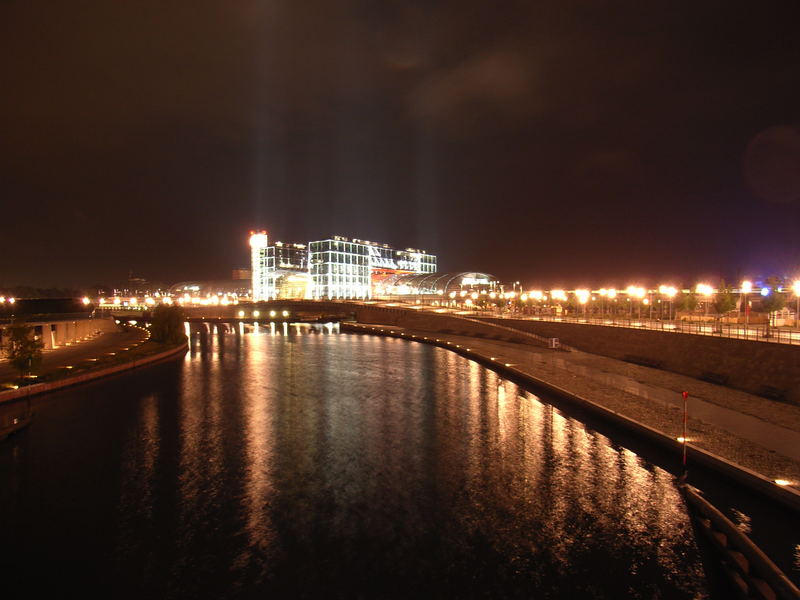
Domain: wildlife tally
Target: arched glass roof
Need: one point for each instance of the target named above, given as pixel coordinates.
(433, 283)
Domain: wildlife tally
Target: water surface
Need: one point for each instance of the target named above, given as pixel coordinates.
(322, 465)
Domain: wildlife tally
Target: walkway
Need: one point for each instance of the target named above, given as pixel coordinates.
(95, 347)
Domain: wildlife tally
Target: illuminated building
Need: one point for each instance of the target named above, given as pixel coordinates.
(259, 243)
(430, 285)
(349, 268)
(336, 267)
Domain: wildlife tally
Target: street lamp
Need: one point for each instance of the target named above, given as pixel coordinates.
(706, 291)
(669, 291)
(747, 287)
(583, 298)
(636, 292)
(796, 290)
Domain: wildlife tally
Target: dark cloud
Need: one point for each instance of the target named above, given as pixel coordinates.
(772, 164)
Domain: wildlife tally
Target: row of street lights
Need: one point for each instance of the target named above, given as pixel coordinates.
(633, 293)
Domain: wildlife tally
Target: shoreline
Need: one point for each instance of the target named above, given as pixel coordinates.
(725, 466)
(51, 386)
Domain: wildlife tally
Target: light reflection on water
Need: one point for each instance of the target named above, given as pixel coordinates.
(340, 465)
(355, 440)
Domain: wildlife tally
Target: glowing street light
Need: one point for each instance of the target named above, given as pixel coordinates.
(669, 291)
(796, 290)
(583, 297)
(706, 291)
(747, 288)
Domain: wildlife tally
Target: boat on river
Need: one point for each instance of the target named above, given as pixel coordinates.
(728, 551)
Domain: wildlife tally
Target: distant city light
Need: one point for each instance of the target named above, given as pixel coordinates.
(765, 291)
(747, 286)
(667, 290)
(704, 290)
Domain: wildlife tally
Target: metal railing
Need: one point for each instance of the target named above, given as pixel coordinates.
(761, 332)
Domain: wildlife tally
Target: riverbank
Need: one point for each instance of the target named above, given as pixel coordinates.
(751, 445)
(137, 352)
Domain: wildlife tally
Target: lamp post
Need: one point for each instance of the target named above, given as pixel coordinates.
(669, 291)
(796, 290)
(706, 291)
(611, 294)
(583, 298)
(747, 287)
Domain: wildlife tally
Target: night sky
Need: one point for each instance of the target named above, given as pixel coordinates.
(564, 143)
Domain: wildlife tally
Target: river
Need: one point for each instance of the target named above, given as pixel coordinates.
(301, 462)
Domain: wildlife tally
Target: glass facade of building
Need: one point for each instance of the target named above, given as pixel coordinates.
(259, 245)
(338, 267)
(280, 261)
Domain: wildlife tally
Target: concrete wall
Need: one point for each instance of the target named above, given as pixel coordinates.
(762, 368)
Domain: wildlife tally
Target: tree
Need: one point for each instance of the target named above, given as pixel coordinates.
(725, 301)
(23, 350)
(167, 325)
(687, 302)
(772, 302)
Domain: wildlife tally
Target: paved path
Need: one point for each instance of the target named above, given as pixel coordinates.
(95, 347)
(758, 433)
